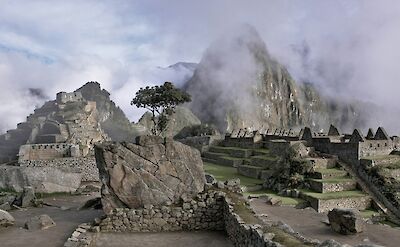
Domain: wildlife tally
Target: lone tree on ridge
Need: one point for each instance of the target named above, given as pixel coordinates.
(161, 102)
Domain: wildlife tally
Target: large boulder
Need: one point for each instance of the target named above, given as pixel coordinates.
(346, 221)
(42, 179)
(6, 219)
(154, 171)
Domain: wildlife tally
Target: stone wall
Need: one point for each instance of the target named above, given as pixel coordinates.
(211, 210)
(376, 147)
(201, 143)
(47, 151)
(205, 212)
(86, 166)
(348, 152)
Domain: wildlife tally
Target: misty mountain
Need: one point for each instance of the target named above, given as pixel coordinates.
(239, 84)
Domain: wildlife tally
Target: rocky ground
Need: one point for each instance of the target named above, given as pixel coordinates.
(311, 224)
(66, 219)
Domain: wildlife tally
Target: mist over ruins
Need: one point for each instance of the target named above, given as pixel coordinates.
(212, 123)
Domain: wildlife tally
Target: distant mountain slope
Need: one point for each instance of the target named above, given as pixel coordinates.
(238, 84)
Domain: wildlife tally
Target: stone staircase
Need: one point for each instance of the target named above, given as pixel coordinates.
(332, 187)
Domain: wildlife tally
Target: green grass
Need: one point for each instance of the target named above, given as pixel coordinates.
(289, 201)
(333, 180)
(265, 157)
(230, 148)
(223, 173)
(330, 170)
(334, 195)
(368, 213)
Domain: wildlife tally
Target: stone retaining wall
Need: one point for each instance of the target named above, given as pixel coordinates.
(203, 213)
(84, 165)
(211, 210)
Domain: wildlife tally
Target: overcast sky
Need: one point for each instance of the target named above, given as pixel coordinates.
(348, 48)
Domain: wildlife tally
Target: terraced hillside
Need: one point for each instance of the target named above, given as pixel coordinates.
(331, 187)
(253, 163)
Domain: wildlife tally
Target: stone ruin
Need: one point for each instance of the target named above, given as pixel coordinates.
(53, 150)
(158, 185)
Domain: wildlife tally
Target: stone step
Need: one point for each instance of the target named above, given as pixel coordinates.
(327, 173)
(225, 161)
(322, 163)
(258, 152)
(207, 160)
(232, 151)
(323, 202)
(332, 185)
(263, 161)
(212, 155)
(250, 171)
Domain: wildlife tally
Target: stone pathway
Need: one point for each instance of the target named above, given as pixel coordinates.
(66, 222)
(309, 223)
(165, 239)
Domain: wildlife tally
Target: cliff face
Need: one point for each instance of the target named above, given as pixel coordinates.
(238, 84)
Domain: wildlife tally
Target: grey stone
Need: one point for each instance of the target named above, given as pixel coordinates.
(28, 197)
(6, 219)
(330, 243)
(40, 222)
(210, 179)
(346, 221)
(153, 172)
(42, 179)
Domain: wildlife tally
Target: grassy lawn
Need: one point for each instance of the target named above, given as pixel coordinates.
(368, 213)
(285, 200)
(333, 180)
(334, 195)
(224, 173)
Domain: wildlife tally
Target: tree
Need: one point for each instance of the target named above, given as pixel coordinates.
(161, 102)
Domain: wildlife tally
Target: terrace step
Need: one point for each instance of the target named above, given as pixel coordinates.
(327, 173)
(250, 171)
(257, 152)
(323, 202)
(212, 155)
(232, 151)
(263, 161)
(332, 184)
(322, 163)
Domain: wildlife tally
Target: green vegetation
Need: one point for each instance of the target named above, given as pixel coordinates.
(333, 180)
(224, 173)
(160, 100)
(54, 194)
(289, 201)
(368, 213)
(334, 195)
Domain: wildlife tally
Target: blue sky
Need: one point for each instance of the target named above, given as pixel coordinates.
(59, 45)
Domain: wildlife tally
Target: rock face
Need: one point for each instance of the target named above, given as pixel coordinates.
(239, 84)
(346, 221)
(42, 179)
(40, 222)
(6, 219)
(154, 171)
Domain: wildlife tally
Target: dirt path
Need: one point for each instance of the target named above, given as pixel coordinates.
(309, 223)
(66, 222)
(163, 239)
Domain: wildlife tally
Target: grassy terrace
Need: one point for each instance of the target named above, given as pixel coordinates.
(223, 173)
(265, 157)
(289, 201)
(333, 180)
(334, 195)
(330, 171)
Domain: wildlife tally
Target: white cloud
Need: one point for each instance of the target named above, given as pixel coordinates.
(59, 45)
